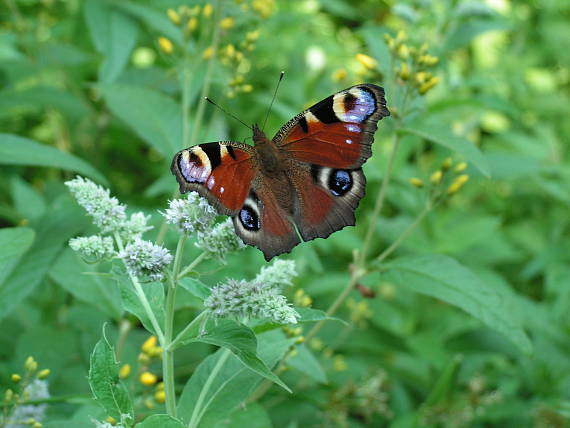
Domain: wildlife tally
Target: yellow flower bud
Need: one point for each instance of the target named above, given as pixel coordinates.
(125, 371)
(43, 374)
(208, 10)
(148, 403)
(36, 424)
(173, 16)
(461, 166)
(16, 378)
(230, 50)
(247, 88)
(457, 184)
(416, 182)
(428, 60)
(148, 344)
(403, 51)
(401, 36)
(404, 72)
(160, 386)
(144, 359)
(208, 52)
(160, 396)
(422, 76)
(429, 85)
(111, 420)
(367, 61)
(155, 352)
(192, 24)
(8, 395)
(339, 75)
(195, 10)
(30, 364)
(339, 363)
(435, 178)
(446, 164)
(147, 379)
(227, 23)
(300, 339)
(165, 45)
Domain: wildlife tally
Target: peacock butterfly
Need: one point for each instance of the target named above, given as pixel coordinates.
(305, 183)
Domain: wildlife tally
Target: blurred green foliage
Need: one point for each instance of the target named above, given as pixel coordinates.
(466, 323)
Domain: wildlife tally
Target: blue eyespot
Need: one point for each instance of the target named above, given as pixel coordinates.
(340, 182)
(249, 219)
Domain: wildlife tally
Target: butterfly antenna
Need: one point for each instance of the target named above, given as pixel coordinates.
(273, 99)
(227, 112)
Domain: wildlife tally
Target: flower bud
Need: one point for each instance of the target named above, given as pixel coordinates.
(173, 16)
(414, 181)
(435, 178)
(165, 45)
(148, 378)
(367, 61)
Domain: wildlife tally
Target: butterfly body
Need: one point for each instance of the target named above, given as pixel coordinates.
(304, 183)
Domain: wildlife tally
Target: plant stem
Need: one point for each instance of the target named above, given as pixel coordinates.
(197, 412)
(404, 234)
(125, 327)
(192, 265)
(168, 352)
(174, 344)
(142, 297)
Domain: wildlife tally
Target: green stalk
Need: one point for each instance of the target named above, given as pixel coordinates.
(199, 319)
(197, 412)
(168, 352)
(142, 297)
(192, 265)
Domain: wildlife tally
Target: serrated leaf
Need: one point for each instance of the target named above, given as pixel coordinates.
(236, 337)
(15, 150)
(161, 421)
(157, 118)
(108, 389)
(445, 278)
(461, 145)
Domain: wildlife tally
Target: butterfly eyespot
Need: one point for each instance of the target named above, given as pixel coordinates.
(249, 219)
(340, 182)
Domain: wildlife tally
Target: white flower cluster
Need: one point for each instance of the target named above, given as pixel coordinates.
(243, 299)
(220, 240)
(36, 390)
(278, 275)
(191, 215)
(93, 248)
(145, 259)
(108, 214)
(135, 226)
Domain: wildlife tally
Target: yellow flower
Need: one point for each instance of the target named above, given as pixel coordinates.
(192, 24)
(155, 352)
(461, 166)
(422, 76)
(173, 16)
(263, 7)
(160, 386)
(301, 299)
(37, 424)
(125, 371)
(207, 11)
(43, 374)
(403, 51)
(208, 52)
(8, 395)
(401, 36)
(367, 61)
(148, 403)
(16, 378)
(147, 379)
(435, 178)
(160, 396)
(148, 344)
(30, 364)
(227, 23)
(166, 45)
(446, 164)
(428, 60)
(144, 359)
(416, 182)
(316, 344)
(429, 85)
(457, 184)
(252, 36)
(339, 75)
(230, 51)
(247, 88)
(111, 420)
(339, 363)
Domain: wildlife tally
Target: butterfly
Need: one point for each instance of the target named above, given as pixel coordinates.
(304, 183)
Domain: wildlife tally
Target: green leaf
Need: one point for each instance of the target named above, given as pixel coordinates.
(161, 421)
(446, 279)
(306, 363)
(62, 221)
(236, 337)
(27, 201)
(195, 287)
(461, 145)
(157, 118)
(252, 416)
(154, 292)
(41, 97)
(108, 389)
(307, 315)
(114, 34)
(14, 242)
(83, 282)
(231, 385)
(15, 150)
(445, 384)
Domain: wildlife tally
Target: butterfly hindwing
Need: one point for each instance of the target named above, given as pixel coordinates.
(222, 172)
(338, 131)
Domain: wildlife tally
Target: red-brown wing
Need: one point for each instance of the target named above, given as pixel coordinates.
(222, 172)
(337, 132)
